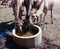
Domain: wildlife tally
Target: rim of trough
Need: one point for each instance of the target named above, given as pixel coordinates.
(23, 37)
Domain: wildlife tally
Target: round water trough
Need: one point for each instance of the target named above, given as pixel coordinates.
(30, 41)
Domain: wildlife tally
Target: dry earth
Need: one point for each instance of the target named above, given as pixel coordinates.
(51, 32)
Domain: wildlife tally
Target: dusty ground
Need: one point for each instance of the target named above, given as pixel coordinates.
(51, 32)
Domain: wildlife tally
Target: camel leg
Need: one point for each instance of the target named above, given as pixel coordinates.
(51, 17)
(42, 19)
(17, 19)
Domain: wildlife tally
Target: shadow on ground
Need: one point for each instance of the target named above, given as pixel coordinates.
(6, 26)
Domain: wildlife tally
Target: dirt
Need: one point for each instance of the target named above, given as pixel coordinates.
(51, 34)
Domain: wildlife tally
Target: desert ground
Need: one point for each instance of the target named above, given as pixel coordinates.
(51, 34)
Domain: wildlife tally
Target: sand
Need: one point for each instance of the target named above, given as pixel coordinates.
(51, 32)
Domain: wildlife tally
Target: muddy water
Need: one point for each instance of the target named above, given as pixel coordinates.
(30, 32)
(27, 34)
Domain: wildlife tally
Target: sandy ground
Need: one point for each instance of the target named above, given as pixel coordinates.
(52, 31)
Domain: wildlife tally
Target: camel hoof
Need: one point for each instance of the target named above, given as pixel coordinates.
(51, 22)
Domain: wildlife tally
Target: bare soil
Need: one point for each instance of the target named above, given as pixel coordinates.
(51, 34)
